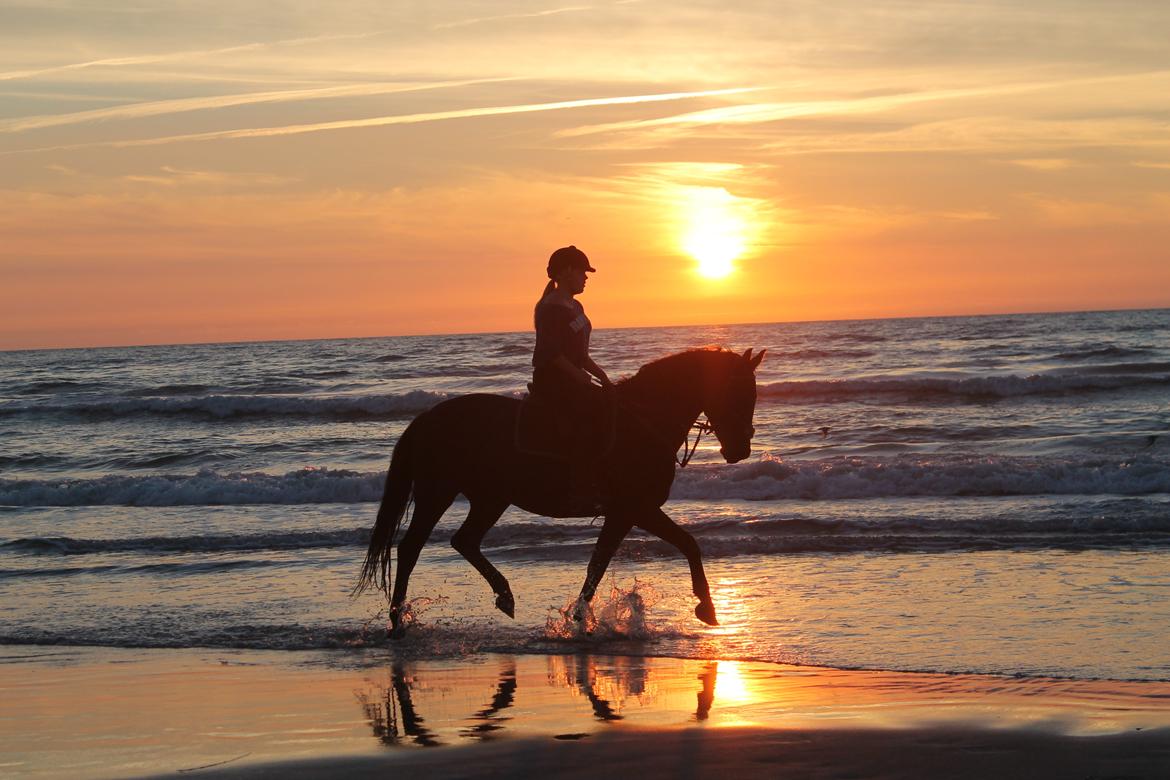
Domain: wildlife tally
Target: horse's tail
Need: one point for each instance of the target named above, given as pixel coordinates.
(395, 501)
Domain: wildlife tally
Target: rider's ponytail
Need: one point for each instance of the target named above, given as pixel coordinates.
(552, 285)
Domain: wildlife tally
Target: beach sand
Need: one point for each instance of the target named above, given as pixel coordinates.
(81, 712)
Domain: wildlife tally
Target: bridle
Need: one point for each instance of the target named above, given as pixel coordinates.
(699, 427)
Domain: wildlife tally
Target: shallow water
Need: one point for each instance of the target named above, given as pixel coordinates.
(993, 495)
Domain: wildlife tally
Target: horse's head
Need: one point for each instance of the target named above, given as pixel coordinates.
(729, 403)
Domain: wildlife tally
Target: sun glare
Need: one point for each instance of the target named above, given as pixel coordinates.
(715, 230)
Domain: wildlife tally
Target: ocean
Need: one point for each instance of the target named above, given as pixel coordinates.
(966, 494)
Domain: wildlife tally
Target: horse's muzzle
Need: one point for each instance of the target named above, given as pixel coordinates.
(735, 456)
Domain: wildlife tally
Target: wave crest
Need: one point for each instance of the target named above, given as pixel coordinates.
(959, 389)
(221, 407)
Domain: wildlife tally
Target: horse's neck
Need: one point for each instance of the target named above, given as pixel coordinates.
(669, 397)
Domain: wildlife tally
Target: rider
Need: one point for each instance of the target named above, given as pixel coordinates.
(562, 368)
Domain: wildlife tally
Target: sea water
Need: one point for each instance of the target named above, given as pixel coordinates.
(969, 494)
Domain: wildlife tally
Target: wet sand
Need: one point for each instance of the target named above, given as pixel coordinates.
(80, 712)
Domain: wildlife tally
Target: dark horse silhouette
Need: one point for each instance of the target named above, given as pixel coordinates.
(466, 445)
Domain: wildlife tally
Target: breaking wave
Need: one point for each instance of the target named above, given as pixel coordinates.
(768, 478)
(220, 407)
(969, 388)
(771, 478)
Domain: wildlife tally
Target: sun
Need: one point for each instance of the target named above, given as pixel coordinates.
(714, 246)
(715, 230)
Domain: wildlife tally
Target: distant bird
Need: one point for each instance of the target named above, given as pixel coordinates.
(824, 429)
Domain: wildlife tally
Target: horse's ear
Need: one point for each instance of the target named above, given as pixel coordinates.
(748, 355)
(756, 360)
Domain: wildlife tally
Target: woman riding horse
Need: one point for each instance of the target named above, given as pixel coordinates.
(562, 369)
(466, 445)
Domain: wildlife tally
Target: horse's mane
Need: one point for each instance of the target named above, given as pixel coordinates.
(656, 367)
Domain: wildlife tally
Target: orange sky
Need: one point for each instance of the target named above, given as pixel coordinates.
(219, 171)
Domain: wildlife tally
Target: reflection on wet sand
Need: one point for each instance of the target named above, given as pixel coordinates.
(707, 692)
(606, 686)
(607, 683)
(489, 719)
(382, 711)
(427, 703)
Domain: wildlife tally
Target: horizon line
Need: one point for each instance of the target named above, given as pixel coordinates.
(609, 328)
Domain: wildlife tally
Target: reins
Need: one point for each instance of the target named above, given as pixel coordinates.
(700, 427)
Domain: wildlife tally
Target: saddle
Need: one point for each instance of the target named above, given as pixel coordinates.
(543, 430)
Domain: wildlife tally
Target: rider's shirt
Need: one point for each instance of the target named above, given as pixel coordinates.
(561, 329)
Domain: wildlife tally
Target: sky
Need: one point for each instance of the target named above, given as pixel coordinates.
(177, 171)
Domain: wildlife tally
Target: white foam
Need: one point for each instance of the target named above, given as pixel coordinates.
(772, 478)
(205, 488)
(1005, 386)
(766, 478)
(226, 406)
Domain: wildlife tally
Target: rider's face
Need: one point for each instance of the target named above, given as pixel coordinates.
(572, 280)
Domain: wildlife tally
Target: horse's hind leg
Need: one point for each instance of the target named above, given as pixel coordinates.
(482, 516)
(429, 506)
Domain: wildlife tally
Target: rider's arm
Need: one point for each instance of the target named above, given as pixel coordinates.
(597, 371)
(579, 375)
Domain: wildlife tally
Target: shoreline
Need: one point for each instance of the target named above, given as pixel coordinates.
(104, 712)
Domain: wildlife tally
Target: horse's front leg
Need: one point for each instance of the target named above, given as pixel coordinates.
(659, 523)
(613, 531)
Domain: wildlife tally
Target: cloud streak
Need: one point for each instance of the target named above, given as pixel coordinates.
(502, 17)
(149, 59)
(162, 107)
(398, 119)
(757, 113)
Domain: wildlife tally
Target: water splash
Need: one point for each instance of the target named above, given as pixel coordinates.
(624, 615)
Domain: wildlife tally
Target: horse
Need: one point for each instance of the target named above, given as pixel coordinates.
(466, 445)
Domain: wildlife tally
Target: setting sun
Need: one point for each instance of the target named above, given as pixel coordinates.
(715, 232)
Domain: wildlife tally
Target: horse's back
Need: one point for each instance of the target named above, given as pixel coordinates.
(478, 417)
(476, 405)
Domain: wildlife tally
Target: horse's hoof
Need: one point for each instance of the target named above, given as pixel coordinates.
(706, 612)
(506, 604)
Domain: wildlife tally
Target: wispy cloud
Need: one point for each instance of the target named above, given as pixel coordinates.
(149, 59)
(502, 17)
(170, 176)
(1044, 163)
(399, 119)
(757, 113)
(161, 107)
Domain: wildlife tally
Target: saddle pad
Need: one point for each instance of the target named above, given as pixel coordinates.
(541, 430)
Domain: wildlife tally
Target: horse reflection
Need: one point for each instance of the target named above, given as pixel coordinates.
(606, 687)
(489, 718)
(607, 684)
(382, 713)
(706, 694)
